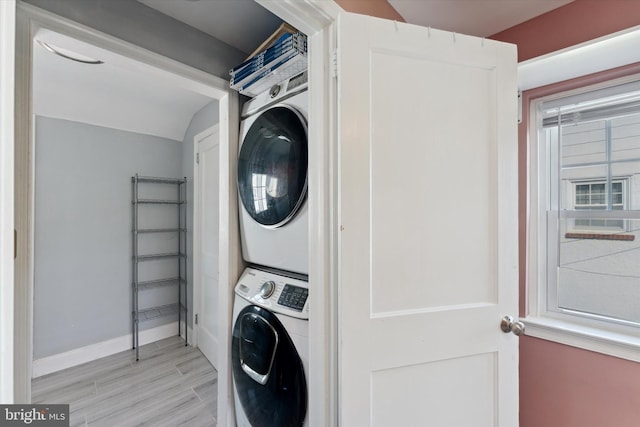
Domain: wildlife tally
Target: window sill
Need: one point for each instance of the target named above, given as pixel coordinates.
(600, 236)
(624, 346)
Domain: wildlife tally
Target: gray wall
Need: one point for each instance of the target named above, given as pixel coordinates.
(83, 173)
(141, 25)
(202, 120)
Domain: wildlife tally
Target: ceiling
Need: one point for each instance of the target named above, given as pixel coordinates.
(223, 19)
(120, 93)
(481, 18)
(88, 93)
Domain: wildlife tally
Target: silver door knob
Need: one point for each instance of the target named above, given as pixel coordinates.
(509, 324)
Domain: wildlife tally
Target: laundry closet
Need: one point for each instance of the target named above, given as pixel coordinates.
(270, 344)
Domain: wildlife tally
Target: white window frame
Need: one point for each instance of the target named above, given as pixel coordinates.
(543, 321)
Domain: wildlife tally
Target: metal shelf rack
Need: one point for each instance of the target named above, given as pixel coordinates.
(140, 228)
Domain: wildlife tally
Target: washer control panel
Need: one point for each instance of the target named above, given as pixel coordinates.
(275, 292)
(267, 289)
(293, 297)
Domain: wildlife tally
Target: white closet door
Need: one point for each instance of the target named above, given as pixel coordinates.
(208, 214)
(428, 226)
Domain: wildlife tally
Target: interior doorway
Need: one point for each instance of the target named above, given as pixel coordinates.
(151, 66)
(84, 158)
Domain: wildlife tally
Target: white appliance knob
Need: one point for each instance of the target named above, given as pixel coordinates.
(267, 289)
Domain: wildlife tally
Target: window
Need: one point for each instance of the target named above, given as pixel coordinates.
(594, 195)
(586, 213)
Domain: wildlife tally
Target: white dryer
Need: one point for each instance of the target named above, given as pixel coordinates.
(272, 177)
(270, 350)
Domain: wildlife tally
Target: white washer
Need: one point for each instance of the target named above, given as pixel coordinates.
(272, 177)
(270, 350)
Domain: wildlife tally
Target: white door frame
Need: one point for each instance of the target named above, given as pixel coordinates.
(7, 70)
(316, 19)
(197, 225)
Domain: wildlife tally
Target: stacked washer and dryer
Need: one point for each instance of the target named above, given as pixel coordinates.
(271, 305)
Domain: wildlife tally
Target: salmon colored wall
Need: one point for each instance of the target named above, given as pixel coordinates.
(563, 386)
(571, 24)
(379, 8)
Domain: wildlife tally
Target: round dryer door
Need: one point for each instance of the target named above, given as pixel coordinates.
(267, 371)
(272, 166)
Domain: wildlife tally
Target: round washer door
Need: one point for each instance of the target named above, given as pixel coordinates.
(272, 166)
(267, 371)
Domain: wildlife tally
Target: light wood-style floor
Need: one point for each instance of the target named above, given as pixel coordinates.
(172, 385)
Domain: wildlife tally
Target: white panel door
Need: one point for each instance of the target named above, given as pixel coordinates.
(428, 226)
(209, 207)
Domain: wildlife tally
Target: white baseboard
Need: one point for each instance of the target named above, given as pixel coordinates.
(81, 355)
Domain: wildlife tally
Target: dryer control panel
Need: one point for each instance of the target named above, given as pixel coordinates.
(277, 93)
(280, 294)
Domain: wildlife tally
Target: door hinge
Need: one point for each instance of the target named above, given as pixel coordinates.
(334, 63)
(519, 106)
(196, 318)
(197, 158)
